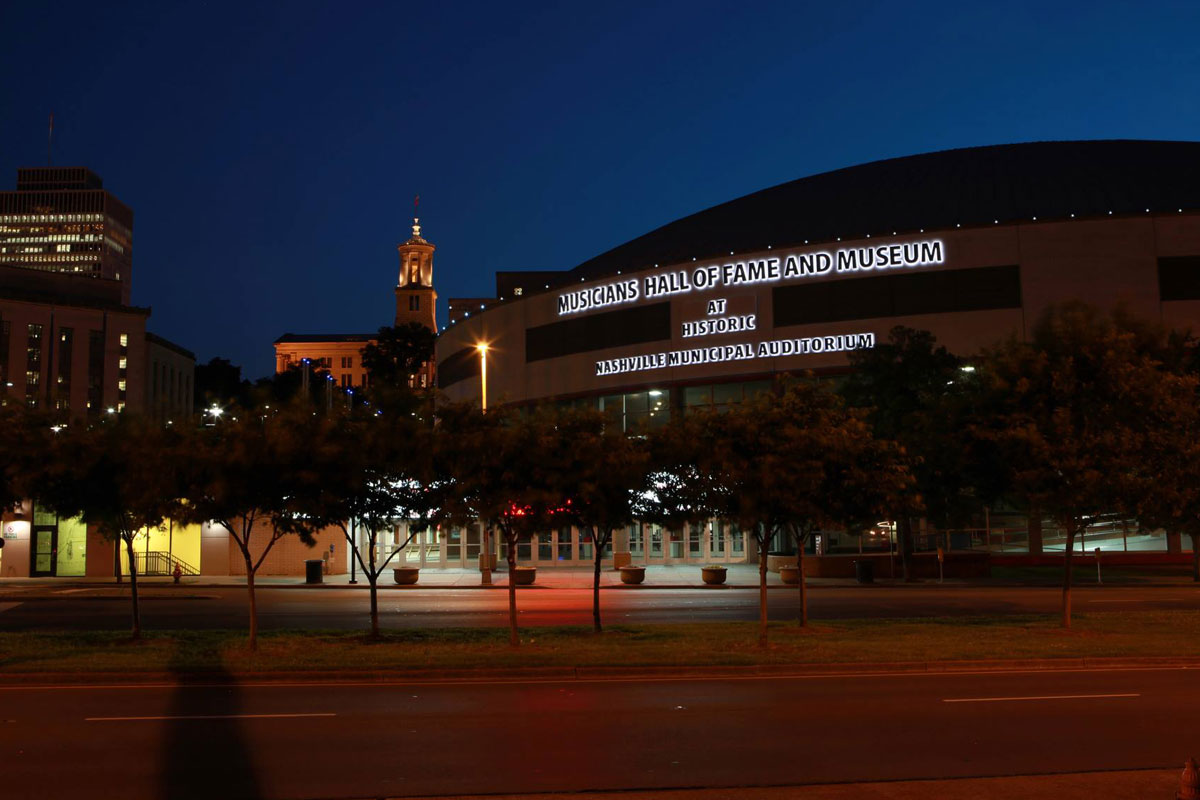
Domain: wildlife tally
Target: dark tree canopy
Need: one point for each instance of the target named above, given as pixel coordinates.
(397, 354)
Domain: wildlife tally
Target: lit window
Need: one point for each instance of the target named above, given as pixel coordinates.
(124, 340)
(517, 291)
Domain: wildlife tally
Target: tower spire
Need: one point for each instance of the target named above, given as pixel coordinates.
(416, 219)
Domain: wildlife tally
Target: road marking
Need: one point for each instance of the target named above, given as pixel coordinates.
(548, 681)
(1039, 697)
(205, 716)
(6, 606)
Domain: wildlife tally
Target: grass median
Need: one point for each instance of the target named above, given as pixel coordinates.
(1158, 633)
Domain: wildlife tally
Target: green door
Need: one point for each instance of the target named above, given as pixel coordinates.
(45, 550)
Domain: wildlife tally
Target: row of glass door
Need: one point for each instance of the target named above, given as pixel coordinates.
(647, 544)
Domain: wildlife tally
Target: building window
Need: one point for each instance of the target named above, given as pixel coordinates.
(346, 379)
(414, 303)
(66, 338)
(347, 362)
(95, 371)
(33, 363)
(517, 292)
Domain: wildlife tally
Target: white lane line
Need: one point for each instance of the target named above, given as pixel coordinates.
(6, 606)
(206, 716)
(546, 681)
(1039, 697)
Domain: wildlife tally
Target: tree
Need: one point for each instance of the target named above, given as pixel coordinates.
(252, 475)
(397, 354)
(601, 470)
(805, 463)
(1069, 415)
(219, 382)
(121, 475)
(495, 468)
(911, 387)
(375, 470)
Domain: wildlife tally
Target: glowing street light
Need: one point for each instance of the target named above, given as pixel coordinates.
(482, 347)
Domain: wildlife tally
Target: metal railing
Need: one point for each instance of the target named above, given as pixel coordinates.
(157, 562)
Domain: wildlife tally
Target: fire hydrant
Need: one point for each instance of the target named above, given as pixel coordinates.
(177, 574)
(1189, 782)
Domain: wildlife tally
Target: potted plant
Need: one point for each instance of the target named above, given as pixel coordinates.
(406, 576)
(713, 574)
(633, 573)
(790, 574)
(524, 576)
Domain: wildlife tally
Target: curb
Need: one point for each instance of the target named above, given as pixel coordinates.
(601, 673)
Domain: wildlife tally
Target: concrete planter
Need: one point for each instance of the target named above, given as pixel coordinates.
(524, 576)
(632, 574)
(790, 574)
(713, 576)
(406, 576)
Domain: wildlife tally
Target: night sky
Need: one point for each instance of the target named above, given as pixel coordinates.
(271, 151)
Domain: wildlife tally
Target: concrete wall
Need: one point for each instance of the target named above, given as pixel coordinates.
(1106, 262)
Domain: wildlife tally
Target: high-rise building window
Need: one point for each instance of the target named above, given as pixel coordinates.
(122, 370)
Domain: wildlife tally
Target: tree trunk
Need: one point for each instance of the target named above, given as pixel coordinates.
(803, 582)
(1066, 591)
(514, 638)
(374, 580)
(904, 544)
(373, 577)
(253, 603)
(1195, 558)
(598, 552)
(133, 589)
(763, 540)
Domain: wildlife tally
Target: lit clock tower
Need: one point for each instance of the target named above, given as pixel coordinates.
(416, 301)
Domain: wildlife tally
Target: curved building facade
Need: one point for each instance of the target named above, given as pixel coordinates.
(970, 244)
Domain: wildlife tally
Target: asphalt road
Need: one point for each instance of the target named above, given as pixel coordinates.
(167, 607)
(327, 740)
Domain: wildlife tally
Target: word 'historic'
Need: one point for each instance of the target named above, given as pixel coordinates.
(736, 352)
(788, 266)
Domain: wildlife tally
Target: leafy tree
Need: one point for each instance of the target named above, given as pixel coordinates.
(601, 469)
(495, 468)
(398, 353)
(220, 382)
(912, 389)
(251, 475)
(121, 475)
(804, 462)
(375, 470)
(1069, 415)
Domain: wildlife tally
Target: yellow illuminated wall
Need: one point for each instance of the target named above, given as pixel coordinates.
(181, 541)
(72, 547)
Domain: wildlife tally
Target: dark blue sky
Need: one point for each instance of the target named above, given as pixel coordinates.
(271, 151)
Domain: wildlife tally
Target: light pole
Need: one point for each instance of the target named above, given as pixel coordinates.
(483, 351)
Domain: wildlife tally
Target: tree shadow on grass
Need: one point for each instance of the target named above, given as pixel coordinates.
(205, 753)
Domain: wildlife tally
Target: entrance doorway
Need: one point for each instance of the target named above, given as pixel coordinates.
(44, 551)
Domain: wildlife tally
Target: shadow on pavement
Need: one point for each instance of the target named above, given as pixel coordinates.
(205, 754)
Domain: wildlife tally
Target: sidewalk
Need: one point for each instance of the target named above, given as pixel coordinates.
(1142, 784)
(658, 576)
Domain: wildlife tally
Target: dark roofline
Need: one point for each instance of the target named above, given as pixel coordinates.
(965, 187)
(168, 344)
(325, 337)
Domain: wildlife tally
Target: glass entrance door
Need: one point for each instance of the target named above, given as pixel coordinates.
(45, 550)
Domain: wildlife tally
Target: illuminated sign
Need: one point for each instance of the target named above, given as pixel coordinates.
(718, 322)
(736, 352)
(785, 267)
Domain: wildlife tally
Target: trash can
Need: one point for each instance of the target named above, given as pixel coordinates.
(864, 571)
(314, 570)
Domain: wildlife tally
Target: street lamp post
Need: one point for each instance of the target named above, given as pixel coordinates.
(483, 351)
(485, 550)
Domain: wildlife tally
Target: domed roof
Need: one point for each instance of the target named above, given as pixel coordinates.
(933, 191)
